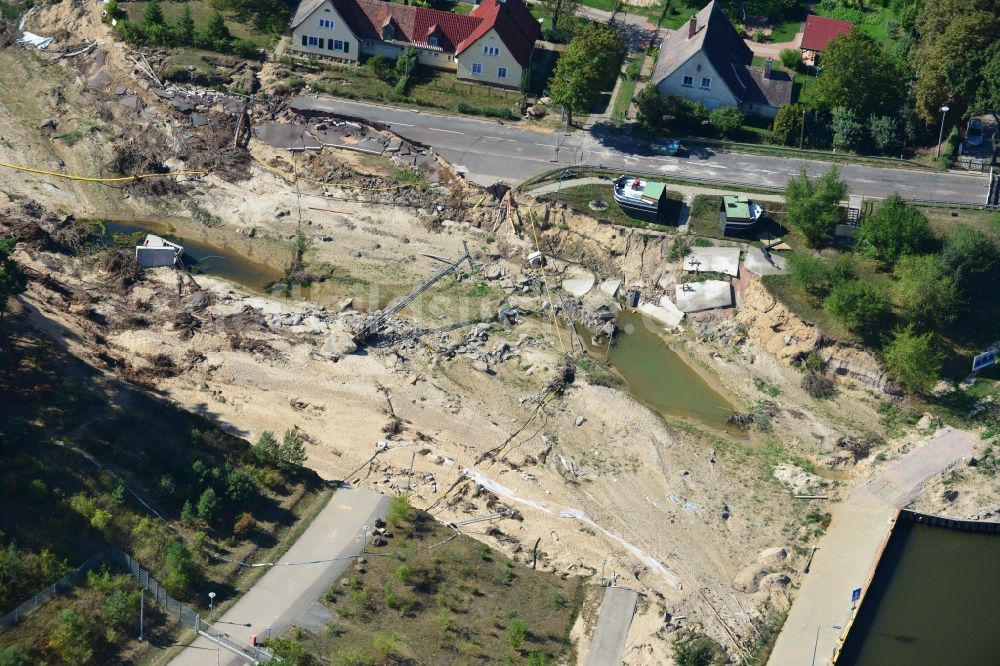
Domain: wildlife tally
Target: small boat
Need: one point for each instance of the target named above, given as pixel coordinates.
(738, 213)
(639, 196)
(156, 251)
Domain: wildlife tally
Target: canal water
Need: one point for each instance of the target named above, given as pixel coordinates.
(658, 376)
(208, 258)
(934, 601)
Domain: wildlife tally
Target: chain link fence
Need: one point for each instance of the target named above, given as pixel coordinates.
(174, 608)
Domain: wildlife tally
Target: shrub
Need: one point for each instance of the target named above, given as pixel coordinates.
(818, 385)
(791, 58)
(848, 131)
(809, 273)
(121, 608)
(166, 486)
(386, 645)
(920, 305)
(187, 513)
(352, 657)
(380, 68)
(698, 650)
(72, 638)
(727, 119)
(913, 360)
(517, 630)
(814, 205)
(894, 230)
(860, 306)
(240, 486)
(244, 523)
(787, 126)
(950, 148)
(884, 131)
(400, 511)
(209, 505)
(633, 69)
(182, 574)
(13, 655)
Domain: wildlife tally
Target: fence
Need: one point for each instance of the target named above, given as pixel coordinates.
(184, 613)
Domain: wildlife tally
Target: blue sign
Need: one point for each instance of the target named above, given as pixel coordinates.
(984, 361)
(856, 596)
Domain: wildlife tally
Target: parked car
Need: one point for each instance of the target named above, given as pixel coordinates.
(974, 132)
(666, 146)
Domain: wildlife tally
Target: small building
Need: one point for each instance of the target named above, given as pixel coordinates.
(818, 34)
(707, 61)
(492, 44)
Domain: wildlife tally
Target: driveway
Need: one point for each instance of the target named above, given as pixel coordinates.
(285, 595)
(491, 151)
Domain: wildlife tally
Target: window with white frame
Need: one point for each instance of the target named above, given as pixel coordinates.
(338, 45)
(501, 72)
(706, 83)
(327, 23)
(491, 51)
(688, 81)
(313, 41)
(477, 68)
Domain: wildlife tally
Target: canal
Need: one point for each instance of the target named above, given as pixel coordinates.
(934, 601)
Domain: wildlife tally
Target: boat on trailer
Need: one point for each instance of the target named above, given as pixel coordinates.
(738, 213)
(639, 196)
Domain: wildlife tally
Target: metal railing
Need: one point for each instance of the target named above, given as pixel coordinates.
(181, 611)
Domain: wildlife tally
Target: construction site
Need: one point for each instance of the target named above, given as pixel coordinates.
(486, 352)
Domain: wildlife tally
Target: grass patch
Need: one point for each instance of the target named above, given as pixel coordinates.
(460, 602)
(598, 373)
(619, 112)
(201, 12)
(785, 31)
(579, 197)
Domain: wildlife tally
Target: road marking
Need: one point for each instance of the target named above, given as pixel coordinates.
(545, 145)
(435, 129)
(403, 124)
(496, 138)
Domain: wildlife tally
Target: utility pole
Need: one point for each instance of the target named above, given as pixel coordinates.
(211, 607)
(802, 129)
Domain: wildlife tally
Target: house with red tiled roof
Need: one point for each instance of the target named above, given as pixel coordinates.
(818, 33)
(492, 44)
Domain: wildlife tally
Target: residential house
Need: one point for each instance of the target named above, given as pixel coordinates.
(818, 33)
(492, 44)
(707, 61)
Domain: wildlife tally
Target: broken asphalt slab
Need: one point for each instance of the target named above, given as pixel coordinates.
(707, 295)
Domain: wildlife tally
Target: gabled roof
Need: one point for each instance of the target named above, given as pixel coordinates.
(414, 25)
(514, 24)
(714, 35)
(775, 90)
(820, 30)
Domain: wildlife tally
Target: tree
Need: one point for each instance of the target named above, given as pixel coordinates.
(153, 14)
(560, 8)
(209, 505)
(884, 132)
(791, 58)
(988, 98)
(593, 56)
(859, 306)
(972, 260)
(787, 127)
(925, 291)
(727, 119)
(13, 655)
(13, 280)
(814, 207)
(860, 75)
(292, 452)
(216, 35)
(400, 511)
(185, 27)
(182, 574)
(848, 132)
(240, 486)
(651, 108)
(121, 608)
(266, 449)
(913, 360)
(894, 230)
(71, 639)
(809, 273)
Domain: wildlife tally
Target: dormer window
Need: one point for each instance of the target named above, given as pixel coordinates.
(432, 41)
(388, 31)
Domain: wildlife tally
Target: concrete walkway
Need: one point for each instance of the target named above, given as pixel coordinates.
(286, 594)
(850, 550)
(608, 643)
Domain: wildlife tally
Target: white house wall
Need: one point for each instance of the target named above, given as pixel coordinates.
(697, 67)
(490, 64)
(311, 28)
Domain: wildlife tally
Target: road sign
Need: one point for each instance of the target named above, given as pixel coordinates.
(984, 360)
(856, 595)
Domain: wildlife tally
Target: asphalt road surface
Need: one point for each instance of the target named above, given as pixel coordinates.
(286, 593)
(493, 151)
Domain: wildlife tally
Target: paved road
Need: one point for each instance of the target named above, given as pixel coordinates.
(492, 151)
(849, 552)
(608, 643)
(286, 594)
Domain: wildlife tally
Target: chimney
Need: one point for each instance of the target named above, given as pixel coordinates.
(692, 27)
(767, 68)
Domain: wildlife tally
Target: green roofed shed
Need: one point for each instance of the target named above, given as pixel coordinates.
(736, 208)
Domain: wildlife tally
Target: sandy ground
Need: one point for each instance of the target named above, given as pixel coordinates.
(688, 516)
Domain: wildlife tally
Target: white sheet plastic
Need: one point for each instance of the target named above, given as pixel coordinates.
(31, 39)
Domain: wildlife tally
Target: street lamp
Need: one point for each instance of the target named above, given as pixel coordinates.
(269, 628)
(944, 112)
(142, 610)
(816, 644)
(211, 607)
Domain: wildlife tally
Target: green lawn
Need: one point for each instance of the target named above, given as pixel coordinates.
(786, 30)
(201, 11)
(619, 112)
(603, 5)
(427, 599)
(579, 197)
